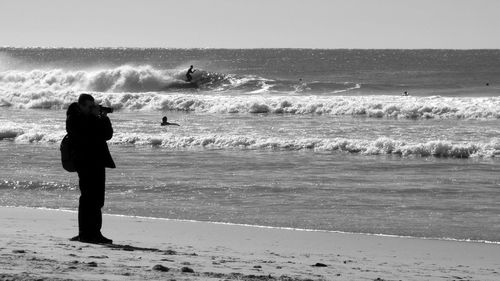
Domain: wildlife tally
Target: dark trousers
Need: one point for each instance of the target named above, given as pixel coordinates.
(91, 181)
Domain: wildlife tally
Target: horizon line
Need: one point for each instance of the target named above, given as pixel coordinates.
(234, 48)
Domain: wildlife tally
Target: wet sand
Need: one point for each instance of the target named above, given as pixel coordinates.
(34, 245)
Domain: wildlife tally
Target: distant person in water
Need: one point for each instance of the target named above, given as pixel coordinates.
(188, 74)
(166, 123)
(405, 94)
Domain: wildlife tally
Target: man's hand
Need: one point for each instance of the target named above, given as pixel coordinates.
(95, 110)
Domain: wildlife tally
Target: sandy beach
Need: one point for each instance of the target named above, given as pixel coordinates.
(35, 245)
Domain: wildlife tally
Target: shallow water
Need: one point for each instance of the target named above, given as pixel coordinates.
(277, 184)
(311, 139)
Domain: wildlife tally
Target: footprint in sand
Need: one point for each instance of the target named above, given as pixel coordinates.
(160, 267)
(187, 270)
(99, 257)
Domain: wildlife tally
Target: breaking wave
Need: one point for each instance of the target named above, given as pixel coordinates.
(380, 146)
(121, 79)
(146, 88)
(140, 79)
(364, 106)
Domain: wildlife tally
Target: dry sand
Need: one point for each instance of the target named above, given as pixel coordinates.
(34, 245)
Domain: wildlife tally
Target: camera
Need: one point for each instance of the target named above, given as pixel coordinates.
(104, 109)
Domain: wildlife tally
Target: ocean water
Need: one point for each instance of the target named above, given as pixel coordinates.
(307, 139)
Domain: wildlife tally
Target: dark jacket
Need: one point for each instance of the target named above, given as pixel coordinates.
(88, 135)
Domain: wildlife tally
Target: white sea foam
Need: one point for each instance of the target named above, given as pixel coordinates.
(365, 106)
(380, 146)
(122, 79)
(10, 130)
(126, 78)
(145, 88)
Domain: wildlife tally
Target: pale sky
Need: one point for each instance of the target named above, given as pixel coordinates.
(408, 24)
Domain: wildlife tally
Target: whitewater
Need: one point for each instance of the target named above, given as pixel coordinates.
(307, 139)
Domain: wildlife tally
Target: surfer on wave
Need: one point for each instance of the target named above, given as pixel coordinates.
(188, 74)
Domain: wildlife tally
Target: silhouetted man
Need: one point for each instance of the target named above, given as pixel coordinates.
(89, 128)
(188, 74)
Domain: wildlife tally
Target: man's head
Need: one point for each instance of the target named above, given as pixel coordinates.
(86, 103)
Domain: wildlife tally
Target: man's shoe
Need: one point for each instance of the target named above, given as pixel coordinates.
(87, 239)
(93, 239)
(76, 238)
(103, 240)
(96, 240)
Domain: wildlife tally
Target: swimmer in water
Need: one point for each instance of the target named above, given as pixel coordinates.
(166, 123)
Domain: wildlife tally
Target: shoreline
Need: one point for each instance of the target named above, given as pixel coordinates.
(277, 227)
(35, 246)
